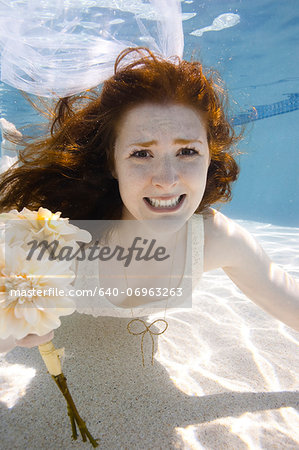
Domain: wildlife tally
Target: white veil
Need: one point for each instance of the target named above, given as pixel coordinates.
(62, 47)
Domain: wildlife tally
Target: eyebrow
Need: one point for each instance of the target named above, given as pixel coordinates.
(176, 141)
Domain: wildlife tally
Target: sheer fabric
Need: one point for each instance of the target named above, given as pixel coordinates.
(87, 277)
(63, 47)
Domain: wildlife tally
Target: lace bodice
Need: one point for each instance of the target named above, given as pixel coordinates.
(87, 278)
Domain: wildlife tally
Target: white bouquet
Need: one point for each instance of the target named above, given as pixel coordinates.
(34, 290)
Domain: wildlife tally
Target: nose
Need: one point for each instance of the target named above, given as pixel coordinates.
(165, 174)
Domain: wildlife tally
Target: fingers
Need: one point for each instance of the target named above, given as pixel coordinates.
(7, 344)
(33, 340)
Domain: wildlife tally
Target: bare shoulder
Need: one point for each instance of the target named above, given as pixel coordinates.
(225, 241)
(215, 230)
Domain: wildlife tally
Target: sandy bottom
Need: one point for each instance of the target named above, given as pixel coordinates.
(225, 375)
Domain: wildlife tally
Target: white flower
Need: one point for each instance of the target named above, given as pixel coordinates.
(40, 297)
(25, 226)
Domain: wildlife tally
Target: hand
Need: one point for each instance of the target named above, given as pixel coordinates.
(33, 340)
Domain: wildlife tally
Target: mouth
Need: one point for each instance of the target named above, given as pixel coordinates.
(167, 204)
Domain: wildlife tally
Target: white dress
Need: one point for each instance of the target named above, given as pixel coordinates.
(87, 277)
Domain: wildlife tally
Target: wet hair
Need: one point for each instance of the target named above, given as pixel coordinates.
(69, 169)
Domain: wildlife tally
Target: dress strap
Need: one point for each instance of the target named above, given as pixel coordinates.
(198, 238)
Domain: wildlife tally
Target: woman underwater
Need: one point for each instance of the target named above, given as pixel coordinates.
(155, 144)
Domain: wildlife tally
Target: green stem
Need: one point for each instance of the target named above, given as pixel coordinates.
(73, 423)
(73, 414)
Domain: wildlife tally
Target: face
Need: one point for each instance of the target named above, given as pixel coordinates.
(161, 162)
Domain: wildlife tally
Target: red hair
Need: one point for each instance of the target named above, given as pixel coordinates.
(70, 170)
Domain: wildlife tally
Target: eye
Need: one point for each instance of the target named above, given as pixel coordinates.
(140, 154)
(186, 151)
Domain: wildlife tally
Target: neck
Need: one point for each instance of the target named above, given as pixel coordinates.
(162, 232)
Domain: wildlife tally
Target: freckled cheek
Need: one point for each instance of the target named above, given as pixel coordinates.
(125, 172)
(194, 172)
(139, 173)
(132, 180)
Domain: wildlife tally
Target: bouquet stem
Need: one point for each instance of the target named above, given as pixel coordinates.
(51, 358)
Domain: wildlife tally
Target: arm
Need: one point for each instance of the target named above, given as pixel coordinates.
(231, 247)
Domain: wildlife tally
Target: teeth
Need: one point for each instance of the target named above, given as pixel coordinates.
(164, 203)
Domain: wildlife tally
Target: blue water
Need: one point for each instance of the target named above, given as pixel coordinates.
(258, 60)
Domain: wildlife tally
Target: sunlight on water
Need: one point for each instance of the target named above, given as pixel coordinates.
(190, 438)
(14, 380)
(252, 429)
(228, 344)
(249, 431)
(233, 368)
